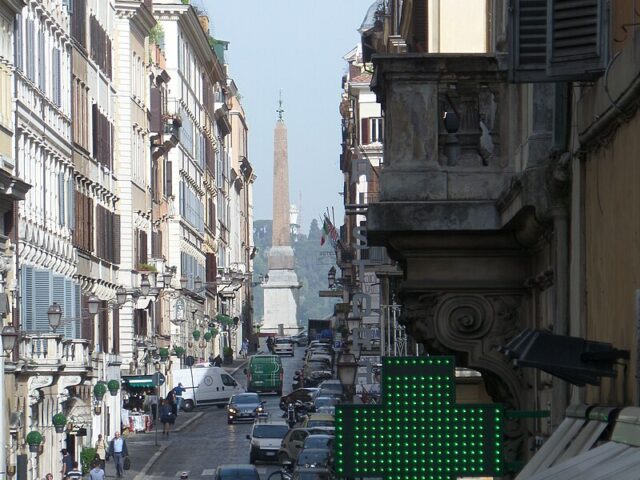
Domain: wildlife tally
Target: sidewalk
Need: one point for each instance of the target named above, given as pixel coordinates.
(143, 451)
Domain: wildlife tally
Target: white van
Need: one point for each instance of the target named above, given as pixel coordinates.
(213, 386)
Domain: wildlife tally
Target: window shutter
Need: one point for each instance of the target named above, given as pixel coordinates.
(42, 69)
(116, 330)
(364, 132)
(143, 248)
(27, 296)
(116, 239)
(62, 213)
(104, 327)
(18, 43)
(576, 39)
(168, 173)
(42, 300)
(528, 41)
(155, 99)
(419, 19)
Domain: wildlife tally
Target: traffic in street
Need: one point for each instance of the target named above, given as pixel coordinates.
(211, 440)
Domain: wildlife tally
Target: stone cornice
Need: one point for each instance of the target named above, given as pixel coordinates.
(188, 20)
(137, 12)
(12, 6)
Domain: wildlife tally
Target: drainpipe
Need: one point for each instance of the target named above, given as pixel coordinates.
(560, 394)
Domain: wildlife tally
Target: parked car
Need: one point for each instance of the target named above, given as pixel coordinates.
(325, 404)
(294, 440)
(305, 395)
(316, 458)
(266, 437)
(331, 388)
(301, 339)
(244, 406)
(318, 420)
(322, 440)
(283, 346)
(236, 471)
(316, 377)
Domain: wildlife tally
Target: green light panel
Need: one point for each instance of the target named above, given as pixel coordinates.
(418, 432)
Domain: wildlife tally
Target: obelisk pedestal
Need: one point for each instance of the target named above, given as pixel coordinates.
(281, 290)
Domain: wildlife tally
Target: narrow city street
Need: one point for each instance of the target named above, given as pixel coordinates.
(209, 441)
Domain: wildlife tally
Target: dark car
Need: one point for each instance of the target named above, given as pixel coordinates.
(319, 458)
(322, 441)
(236, 471)
(317, 377)
(331, 388)
(305, 395)
(244, 406)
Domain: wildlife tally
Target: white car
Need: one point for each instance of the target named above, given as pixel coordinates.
(283, 346)
(266, 437)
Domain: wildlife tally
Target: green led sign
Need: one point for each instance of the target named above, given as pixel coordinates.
(419, 432)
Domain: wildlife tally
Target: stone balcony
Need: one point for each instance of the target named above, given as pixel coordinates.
(43, 352)
(444, 166)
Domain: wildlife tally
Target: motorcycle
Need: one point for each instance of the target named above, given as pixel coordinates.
(295, 412)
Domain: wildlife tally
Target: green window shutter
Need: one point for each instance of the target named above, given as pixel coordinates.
(577, 39)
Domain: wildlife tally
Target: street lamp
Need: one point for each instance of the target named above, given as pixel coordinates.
(121, 295)
(9, 339)
(167, 276)
(331, 276)
(93, 304)
(347, 371)
(55, 315)
(183, 282)
(197, 283)
(145, 285)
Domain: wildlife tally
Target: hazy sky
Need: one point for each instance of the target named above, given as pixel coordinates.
(296, 46)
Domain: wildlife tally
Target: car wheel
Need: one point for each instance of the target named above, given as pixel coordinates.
(280, 392)
(283, 457)
(252, 459)
(188, 406)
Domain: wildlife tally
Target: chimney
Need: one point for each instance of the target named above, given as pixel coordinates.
(204, 23)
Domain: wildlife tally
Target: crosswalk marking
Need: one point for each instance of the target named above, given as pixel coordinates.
(208, 472)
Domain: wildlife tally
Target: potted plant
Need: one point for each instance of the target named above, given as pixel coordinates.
(227, 355)
(146, 267)
(196, 335)
(59, 421)
(213, 331)
(179, 351)
(34, 439)
(207, 336)
(163, 352)
(99, 390)
(113, 387)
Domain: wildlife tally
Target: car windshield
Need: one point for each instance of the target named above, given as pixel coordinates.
(319, 441)
(246, 398)
(320, 423)
(331, 387)
(270, 431)
(326, 401)
(283, 340)
(313, 457)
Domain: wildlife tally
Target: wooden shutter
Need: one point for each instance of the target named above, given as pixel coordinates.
(42, 300)
(142, 247)
(365, 137)
(155, 100)
(116, 239)
(19, 56)
(420, 27)
(168, 175)
(576, 39)
(528, 45)
(104, 327)
(156, 244)
(42, 69)
(116, 330)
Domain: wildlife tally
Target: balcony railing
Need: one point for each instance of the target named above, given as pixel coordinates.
(50, 351)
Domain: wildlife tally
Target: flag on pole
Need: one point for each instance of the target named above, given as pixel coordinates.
(325, 231)
(332, 233)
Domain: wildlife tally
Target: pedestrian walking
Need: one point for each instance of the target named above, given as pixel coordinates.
(67, 463)
(178, 391)
(151, 402)
(101, 450)
(118, 449)
(96, 472)
(244, 350)
(270, 342)
(217, 362)
(167, 416)
(211, 360)
(74, 473)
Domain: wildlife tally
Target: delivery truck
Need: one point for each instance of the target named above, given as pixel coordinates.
(205, 385)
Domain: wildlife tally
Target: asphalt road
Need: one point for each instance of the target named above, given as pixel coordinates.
(210, 441)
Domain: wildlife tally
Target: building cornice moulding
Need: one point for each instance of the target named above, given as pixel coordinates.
(137, 13)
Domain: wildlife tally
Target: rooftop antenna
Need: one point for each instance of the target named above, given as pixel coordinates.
(280, 110)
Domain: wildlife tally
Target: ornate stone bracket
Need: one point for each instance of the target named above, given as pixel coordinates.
(64, 382)
(472, 326)
(34, 384)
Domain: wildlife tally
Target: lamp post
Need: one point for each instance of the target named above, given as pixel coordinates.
(347, 372)
(9, 338)
(55, 315)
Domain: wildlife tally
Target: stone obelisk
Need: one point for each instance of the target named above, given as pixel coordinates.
(282, 287)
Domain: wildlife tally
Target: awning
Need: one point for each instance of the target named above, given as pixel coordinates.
(568, 454)
(142, 303)
(138, 381)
